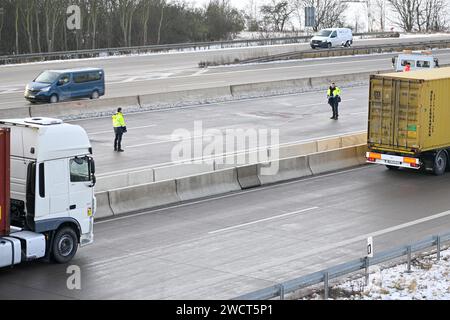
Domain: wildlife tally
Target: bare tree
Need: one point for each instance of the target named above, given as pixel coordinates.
(381, 8)
(27, 8)
(420, 15)
(329, 13)
(163, 6)
(277, 14)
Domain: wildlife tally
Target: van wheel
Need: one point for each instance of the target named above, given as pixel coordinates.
(54, 98)
(65, 245)
(347, 44)
(440, 163)
(329, 45)
(95, 95)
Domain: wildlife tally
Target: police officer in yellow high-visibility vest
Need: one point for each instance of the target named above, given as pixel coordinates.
(119, 129)
(334, 98)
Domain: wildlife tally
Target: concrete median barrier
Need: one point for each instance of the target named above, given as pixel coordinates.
(270, 88)
(14, 113)
(294, 150)
(329, 144)
(353, 140)
(187, 97)
(248, 176)
(143, 197)
(85, 108)
(181, 170)
(206, 185)
(105, 183)
(240, 159)
(288, 169)
(361, 151)
(141, 177)
(123, 180)
(329, 161)
(103, 207)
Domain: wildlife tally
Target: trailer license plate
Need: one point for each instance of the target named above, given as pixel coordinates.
(393, 162)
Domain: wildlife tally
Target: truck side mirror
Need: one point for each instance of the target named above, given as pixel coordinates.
(92, 162)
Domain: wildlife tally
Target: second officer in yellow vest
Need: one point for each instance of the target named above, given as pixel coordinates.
(334, 98)
(119, 129)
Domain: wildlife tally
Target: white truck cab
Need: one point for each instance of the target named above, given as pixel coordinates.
(418, 60)
(334, 37)
(52, 183)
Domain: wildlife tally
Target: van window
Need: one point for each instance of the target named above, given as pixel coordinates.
(65, 79)
(334, 34)
(405, 62)
(324, 33)
(79, 170)
(87, 77)
(47, 77)
(423, 64)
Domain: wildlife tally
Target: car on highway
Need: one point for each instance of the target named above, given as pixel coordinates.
(333, 37)
(60, 85)
(418, 60)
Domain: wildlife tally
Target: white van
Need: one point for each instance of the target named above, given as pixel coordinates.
(418, 60)
(334, 37)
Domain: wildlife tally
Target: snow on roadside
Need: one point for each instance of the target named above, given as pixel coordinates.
(429, 280)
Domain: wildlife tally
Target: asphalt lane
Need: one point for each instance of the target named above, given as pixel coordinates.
(179, 71)
(223, 247)
(298, 117)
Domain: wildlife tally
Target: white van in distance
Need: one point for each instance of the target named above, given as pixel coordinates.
(334, 37)
(418, 60)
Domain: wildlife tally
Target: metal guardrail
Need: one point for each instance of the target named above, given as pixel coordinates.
(91, 53)
(349, 51)
(324, 276)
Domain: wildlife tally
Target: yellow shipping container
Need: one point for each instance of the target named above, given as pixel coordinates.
(409, 115)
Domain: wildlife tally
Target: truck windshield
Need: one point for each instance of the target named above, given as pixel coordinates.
(324, 33)
(47, 77)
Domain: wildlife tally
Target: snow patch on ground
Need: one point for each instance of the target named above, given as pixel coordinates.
(429, 280)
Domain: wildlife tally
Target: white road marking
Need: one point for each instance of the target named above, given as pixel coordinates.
(323, 103)
(364, 237)
(112, 130)
(263, 220)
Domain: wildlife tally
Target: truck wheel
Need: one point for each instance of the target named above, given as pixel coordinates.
(440, 163)
(65, 245)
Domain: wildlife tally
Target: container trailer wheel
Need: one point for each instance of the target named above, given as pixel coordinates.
(393, 168)
(440, 163)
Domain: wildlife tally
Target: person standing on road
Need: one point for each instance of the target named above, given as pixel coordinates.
(334, 98)
(119, 129)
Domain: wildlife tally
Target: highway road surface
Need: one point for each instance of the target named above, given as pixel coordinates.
(223, 247)
(299, 117)
(136, 75)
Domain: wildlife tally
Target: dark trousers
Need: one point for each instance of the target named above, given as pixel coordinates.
(334, 106)
(118, 139)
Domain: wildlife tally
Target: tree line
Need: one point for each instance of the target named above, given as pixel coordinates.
(409, 15)
(35, 26)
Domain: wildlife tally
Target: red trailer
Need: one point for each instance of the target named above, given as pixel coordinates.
(4, 181)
